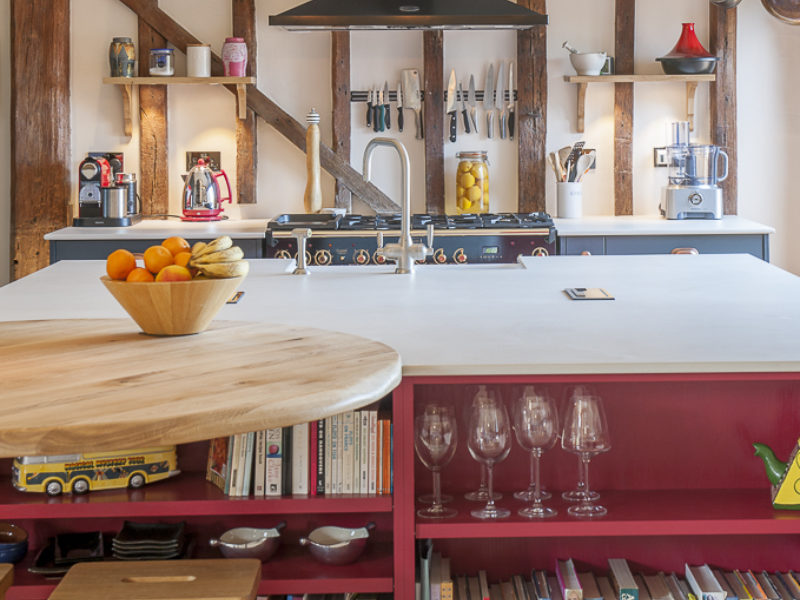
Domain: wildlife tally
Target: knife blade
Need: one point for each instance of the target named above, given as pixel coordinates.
(451, 104)
(473, 104)
(380, 116)
(499, 99)
(512, 108)
(369, 108)
(387, 109)
(411, 98)
(399, 108)
(463, 108)
(375, 110)
(488, 101)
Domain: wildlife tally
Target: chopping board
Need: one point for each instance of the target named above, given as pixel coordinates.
(787, 11)
(100, 384)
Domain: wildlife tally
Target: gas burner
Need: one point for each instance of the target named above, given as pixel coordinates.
(467, 221)
(357, 222)
(500, 221)
(388, 221)
(534, 219)
(438, 221)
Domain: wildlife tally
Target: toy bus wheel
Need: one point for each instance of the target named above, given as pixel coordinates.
(53, 488)
(136, 481)
(80, 486)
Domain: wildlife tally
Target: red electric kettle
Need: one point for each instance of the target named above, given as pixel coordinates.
(201, 194)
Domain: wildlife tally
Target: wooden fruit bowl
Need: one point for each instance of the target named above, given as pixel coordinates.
(172, 307)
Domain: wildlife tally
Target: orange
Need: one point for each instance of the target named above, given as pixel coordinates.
(119, 263)
(156, 258)
(174, 273)
(176, 244)
(182, 258)
(139, 274)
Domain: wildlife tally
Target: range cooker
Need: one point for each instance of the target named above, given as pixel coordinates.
(458, 239)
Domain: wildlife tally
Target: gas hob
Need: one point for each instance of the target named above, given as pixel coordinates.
(458, 239)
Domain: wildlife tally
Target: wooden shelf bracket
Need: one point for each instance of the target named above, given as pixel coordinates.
(691, 89)
(581, 125)
(127, 123)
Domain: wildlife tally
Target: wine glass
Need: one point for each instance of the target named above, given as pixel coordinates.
(580, 493)
(435, 439)
(585, 434)
(489, 442)
(536, 430)
(482, 493)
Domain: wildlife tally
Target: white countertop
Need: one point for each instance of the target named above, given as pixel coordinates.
(656, 225)
(672, 313)
(159, 229)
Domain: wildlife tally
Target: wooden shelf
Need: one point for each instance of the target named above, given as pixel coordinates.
(583, 81)
(128, 83)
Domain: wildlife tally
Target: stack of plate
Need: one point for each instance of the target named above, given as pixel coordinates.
(149, 541)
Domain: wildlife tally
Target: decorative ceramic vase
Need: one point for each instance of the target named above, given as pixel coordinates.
(688, 44)
(122, 57)
(234, 57)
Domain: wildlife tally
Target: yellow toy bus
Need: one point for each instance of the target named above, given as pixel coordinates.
(79, 473)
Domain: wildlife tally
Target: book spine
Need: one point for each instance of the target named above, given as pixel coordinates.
(286, 465)
(300, 459)
(379, 466)
(387, 456)
(340, 457)
(372, 480)
(320, 441)
(313, 458)
(274, 466)
(260, 460)
(229, 470)
(363, 463)
(356, 451)
(233, 488)
(247, 471)
(347, 453)
(328, 461)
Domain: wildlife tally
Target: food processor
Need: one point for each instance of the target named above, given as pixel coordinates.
(692, 192)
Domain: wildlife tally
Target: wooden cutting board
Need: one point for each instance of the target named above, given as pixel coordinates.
(202, 579)
(84, 385)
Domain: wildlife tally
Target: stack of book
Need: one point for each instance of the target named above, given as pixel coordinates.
(697, 582)
(349, 453)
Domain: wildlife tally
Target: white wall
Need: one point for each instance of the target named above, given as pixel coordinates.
(294, 70)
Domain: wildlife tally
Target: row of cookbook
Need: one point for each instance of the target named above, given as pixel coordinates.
(345, 596)
(348, 453)
(697, 582)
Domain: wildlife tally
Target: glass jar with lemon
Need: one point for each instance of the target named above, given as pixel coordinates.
(472, 182)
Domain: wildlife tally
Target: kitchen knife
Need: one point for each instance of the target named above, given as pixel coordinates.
(473, 104)
(375, 110)
(369, 108)
(411, 97)
(399, 108)
(381, 109)
(511, 103)
(451, 104)
(488, 102)
(463, 108)
(499, 99)
(387, 112)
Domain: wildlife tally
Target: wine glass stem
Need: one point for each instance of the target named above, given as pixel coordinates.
(534, 458)
(437, 488)
(581, 475)
(490, 486)
(483, 477)
(537, 493)
(585, 466)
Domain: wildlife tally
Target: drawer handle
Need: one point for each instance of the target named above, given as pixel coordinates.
(586, 253)
(684, 251)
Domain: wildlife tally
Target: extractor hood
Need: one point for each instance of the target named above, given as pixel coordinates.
(408, 14)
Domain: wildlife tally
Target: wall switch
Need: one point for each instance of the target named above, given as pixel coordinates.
(213, 157)
(660, 157)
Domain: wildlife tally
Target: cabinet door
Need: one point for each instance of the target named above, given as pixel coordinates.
(100, 249)
(757, 245)
(582, 245)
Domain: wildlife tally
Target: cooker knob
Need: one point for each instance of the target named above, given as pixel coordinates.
(361, 257)
(459, 256)
(439, 256)
(378, 258)
(283, 254)
(540, 252)
(322, 257)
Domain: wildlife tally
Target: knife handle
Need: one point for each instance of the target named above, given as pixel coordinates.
(369, 114)
(418, 123)
(453, 123)
(490, 124)
(375, 118)
(400, 118)
(502, 124)
(466, 120)
(511, 120)
(381, 117)
(388, 114)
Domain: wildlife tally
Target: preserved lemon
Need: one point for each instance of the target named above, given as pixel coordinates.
(472, 182)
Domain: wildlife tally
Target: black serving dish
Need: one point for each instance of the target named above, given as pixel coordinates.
(688, 65)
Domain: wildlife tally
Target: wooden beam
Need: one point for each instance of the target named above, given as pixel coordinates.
(623, 108)
(265, 108)
(40, 129)
(244, 26)
(433, 120)
(722, 25)
(340, 92)
(154, 137)
(532, 112)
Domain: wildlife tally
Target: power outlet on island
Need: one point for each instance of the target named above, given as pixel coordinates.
(212, 159)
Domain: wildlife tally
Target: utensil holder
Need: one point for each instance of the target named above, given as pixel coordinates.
(569, 199)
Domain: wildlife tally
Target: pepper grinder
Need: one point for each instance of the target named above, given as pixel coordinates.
(313, 196)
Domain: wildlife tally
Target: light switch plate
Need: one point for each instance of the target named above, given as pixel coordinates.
(213, 157)
(660, 157)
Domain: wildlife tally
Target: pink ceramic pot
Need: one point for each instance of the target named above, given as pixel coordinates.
(234, 57)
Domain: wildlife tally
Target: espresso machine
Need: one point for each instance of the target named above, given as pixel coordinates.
(104, 192)
(694, 172)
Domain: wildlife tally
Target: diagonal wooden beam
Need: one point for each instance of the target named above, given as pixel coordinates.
(265, 108)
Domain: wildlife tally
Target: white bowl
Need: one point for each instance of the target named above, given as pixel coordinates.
(588, 63)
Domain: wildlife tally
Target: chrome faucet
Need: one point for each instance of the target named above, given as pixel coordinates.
(406, 251)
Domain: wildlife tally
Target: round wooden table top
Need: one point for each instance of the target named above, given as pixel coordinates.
(86, 384)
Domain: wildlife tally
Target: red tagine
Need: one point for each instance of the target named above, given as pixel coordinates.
(688, 45)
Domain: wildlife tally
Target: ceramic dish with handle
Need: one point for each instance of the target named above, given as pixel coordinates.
(249, 542)
(13, 543)
(337, 545)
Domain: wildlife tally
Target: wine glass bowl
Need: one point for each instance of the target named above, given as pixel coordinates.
(489, 442)
(483, 396)
(435, 441)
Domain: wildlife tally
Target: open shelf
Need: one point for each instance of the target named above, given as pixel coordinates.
(583, 81)
(187, 495)
(128, 83)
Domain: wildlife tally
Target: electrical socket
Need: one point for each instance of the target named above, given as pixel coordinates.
(660, 157)
(212, 160)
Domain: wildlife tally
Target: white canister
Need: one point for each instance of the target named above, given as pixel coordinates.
(569, 199)
(198, 60)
